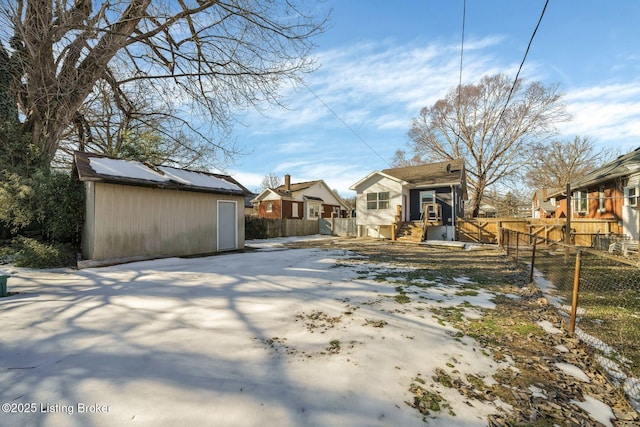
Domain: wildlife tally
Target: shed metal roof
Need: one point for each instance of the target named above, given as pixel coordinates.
(99, 168)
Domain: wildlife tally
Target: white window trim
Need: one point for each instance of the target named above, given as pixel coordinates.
(601, 199)
(378, 202)
(578, 197)
(269, 206)
(631, 200)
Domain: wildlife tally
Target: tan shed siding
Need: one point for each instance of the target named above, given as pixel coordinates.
(88, 230)
(141, 221)
(241, 218)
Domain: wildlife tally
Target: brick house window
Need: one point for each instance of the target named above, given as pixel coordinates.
(269, 207)
(580, 202)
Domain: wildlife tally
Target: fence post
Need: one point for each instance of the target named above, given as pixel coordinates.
(533, 258)
(508, 241)
(574, 300)
(517, 245)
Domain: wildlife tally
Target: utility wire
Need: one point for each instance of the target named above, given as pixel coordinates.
(464, 19)
(345, 124)
(515, 81)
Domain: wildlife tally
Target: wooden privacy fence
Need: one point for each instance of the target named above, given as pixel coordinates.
(266, 228)
(485, 230)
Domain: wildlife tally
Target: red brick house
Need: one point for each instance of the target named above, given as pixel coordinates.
(303, 200)
(609, 192)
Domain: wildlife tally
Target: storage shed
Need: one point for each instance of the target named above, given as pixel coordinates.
(136, 210)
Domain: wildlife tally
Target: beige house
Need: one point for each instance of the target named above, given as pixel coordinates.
(428, 198)
(136, 210)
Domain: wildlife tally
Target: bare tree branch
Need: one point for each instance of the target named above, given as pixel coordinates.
(204, 58)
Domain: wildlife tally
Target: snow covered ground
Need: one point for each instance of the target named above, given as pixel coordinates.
(282, 337)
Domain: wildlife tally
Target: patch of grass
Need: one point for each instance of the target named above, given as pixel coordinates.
(526, 329)
(376, 323)
(467, 293)
(451, 314)
(334, 346)
(427, 401)
(443, 378)
(402, 298)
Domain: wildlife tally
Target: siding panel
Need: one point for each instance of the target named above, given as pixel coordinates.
(134, 221)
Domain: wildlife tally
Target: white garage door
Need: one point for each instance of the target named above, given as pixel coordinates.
(227, 226)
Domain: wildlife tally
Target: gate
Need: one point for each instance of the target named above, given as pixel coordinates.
(325, 226)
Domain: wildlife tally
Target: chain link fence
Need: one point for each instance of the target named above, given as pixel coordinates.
(598, 293)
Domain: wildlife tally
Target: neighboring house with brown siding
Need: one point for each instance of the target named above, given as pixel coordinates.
(135, 210)
(609, 192)
(303, 200)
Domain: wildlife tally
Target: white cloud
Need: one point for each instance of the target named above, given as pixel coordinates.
(249, 180)
(366, 81)
(608, 113)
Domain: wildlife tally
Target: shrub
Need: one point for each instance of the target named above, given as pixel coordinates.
(47, 204)
(34, 254)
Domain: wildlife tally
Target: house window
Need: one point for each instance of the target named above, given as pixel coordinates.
(630, 196)
(378, 200)
(269, 207)
(294, 210)
(580, 202)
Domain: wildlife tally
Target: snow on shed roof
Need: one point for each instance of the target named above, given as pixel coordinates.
(94, 167)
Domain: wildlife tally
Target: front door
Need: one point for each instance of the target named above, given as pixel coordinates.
(427, 198)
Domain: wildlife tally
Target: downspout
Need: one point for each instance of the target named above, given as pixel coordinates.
(453, 212)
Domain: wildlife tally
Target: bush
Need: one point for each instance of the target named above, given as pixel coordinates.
(18, 202)
(61, 208)
(47, 204)
(34, 254)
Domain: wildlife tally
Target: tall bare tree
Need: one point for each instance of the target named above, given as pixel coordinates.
(271, 180)
(199, 58)
(400, 159)
(476, 123)
(559, 162)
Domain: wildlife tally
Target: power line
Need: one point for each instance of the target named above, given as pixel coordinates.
(515, 81)
(345, 123)
(464, 19)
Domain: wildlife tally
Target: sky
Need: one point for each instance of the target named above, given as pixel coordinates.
(380, 62)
